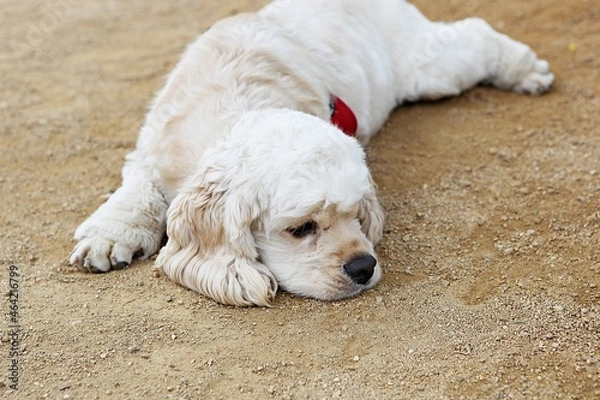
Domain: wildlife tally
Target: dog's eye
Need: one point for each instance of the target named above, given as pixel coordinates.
(303, 230)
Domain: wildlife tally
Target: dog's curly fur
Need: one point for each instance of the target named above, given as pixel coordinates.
(238, 163)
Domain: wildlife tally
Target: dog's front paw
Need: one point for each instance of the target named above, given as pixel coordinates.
(537, 80)
(106, 245)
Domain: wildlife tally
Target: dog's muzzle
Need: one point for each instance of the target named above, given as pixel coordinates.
(360, 269)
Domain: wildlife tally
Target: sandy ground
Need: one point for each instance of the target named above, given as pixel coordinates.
(491, 254)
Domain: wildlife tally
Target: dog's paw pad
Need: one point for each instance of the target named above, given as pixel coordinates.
(537, 81)
(120, 265)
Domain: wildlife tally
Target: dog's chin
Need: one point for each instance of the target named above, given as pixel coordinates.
(331, 288)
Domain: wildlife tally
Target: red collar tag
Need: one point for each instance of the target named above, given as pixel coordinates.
(342, 116)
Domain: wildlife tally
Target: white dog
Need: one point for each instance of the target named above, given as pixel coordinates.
(239, 160)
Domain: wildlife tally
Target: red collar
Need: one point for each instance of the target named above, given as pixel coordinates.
(342, 116)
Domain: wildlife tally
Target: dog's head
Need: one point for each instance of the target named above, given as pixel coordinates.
(286, 199)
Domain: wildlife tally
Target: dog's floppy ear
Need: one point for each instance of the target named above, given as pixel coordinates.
(370, 214)
(210, 246)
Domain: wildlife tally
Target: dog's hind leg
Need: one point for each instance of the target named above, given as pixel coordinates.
(130, 223)
(447, 59)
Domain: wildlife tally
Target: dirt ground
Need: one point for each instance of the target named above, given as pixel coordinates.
(491, 254)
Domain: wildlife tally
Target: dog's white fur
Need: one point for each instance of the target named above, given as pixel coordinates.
(237, 159)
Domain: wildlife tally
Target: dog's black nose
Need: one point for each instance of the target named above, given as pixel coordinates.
(360, 269)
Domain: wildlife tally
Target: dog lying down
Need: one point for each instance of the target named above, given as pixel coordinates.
(251, 156)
